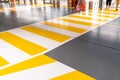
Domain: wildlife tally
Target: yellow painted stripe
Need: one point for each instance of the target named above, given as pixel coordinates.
(99, 15)
(31, 63)
(114, 12)
(22, 44)
(3, 62)
(88, 18)
(104, 15)
(111, 9)
(77, 22)
(75, 75)
(93, 15)
(110, 12)
(66, 27)
(45, 33)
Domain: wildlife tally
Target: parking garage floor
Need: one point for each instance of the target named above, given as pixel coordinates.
(42, 42)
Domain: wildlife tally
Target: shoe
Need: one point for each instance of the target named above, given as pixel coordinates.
(116, 9)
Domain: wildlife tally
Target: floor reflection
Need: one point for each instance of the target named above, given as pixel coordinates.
(19, 15)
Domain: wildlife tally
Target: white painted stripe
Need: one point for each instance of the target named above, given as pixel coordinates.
(34, 38)
(94, 16)
(45, 72)
(84, 20)
(12, 54)
(68, 23)
(57, 30)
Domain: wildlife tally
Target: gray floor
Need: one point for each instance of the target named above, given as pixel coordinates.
(14, 19)
(96, 53)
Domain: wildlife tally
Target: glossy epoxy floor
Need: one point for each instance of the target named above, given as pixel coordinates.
(45, 43)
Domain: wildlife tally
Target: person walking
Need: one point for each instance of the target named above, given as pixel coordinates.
(117, 4)
(108, 4)
(80, 5)
(76, 2)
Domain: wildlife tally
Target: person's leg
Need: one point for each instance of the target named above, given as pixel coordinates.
(76, 2)
(107, 1)
(110, 2)
(117, 3)
(107, 4)
(78, 6)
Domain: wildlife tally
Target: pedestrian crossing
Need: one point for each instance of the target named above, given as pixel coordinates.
(22, 49)
(87, 17)
(78, 21)
(94, 15)
(26, 46)
(46, 33)
(69, 28)
(37, 39)
(110, 11)
(57, 30)
(44, 68)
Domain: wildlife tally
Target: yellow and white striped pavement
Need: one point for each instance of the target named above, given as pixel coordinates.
(22, 49)
(42, 68)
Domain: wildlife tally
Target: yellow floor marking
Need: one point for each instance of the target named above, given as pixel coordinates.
(77, 22)
(114, 12)
(104, 15)
(45, 33)
(93, 15)
(88, 18)
(22, 44)
(100, 14)
(66, 27)
(75, 75)
(110, 11)
(3, 62)
(31, 63)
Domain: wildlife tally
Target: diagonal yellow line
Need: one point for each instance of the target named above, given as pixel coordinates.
(24, 45)
(110, 12)
(87, 18)
(3, 62)
(75, 75)
(93, 15)
(78, 22)
(66, 27)
(104, 15)
(45, 33)
(31, 63)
